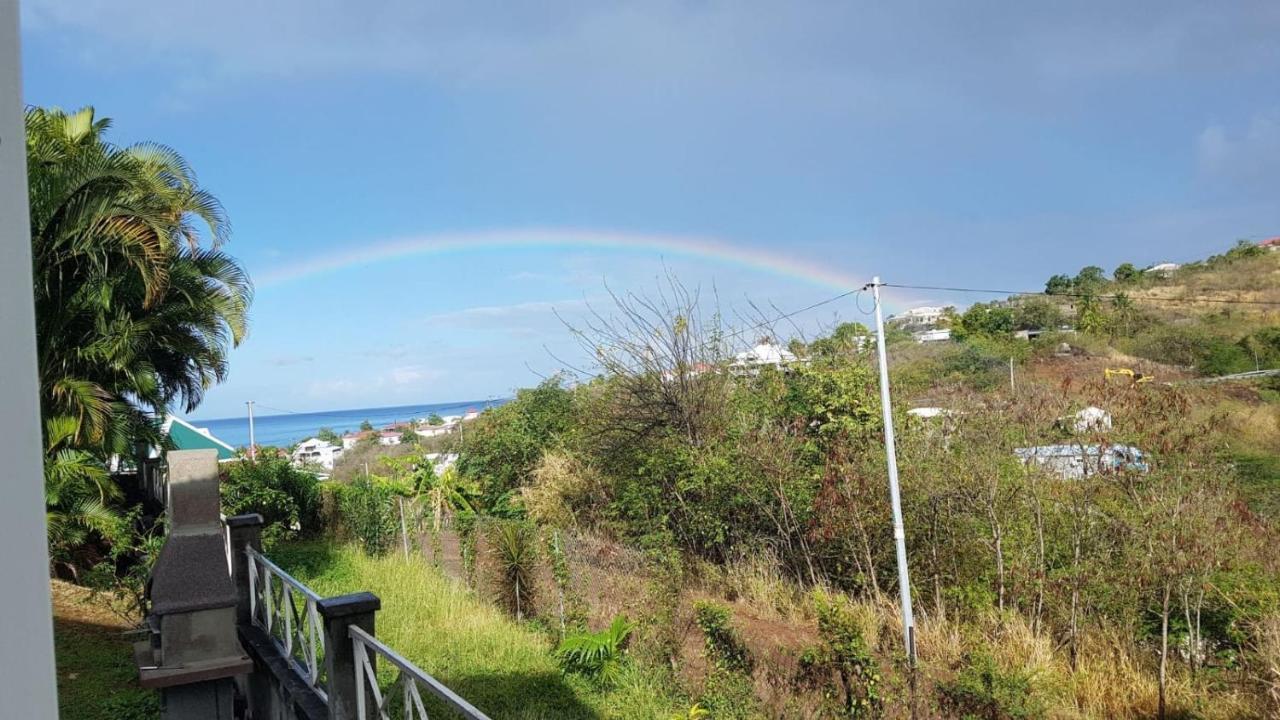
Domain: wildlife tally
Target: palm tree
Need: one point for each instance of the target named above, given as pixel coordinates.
(136, 306)
(133, 313)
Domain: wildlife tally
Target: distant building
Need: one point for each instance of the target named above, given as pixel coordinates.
(925, 315)
(351, 439)
(934, 335)
(1072, 462)
(1270, 244)
(388, 437)
(186, 436)
(1163, 269)
(428, 431)
(764, 354)
(316, 452)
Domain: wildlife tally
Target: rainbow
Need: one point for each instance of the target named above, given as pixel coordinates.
(774, 263)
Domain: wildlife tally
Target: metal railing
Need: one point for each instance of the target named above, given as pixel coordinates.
(274, 606)
(409, 681)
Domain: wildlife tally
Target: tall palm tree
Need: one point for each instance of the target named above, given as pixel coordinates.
(136, 305)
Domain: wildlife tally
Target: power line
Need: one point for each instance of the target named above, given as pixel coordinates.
(1200, 299)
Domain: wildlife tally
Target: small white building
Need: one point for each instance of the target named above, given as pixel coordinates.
(430, 431)
(1163, 269)
(316, 452)
(389, 437)
(934, 335)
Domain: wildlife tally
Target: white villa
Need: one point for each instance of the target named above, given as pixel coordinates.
(923, 315)
(316, 452)
(1164, 269)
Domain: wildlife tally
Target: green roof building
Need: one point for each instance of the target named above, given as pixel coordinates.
(186, 436)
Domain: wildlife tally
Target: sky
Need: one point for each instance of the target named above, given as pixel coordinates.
(426, 193)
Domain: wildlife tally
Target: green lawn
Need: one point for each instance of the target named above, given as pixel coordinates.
(503, 668)
(96, 676)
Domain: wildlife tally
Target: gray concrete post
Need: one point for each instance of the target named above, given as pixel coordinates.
(245, 531)
(340, 613)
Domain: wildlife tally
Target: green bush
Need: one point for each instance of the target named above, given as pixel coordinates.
(515, 550)
(596, 655)
(982, 691)
(843, 651)
(369, 513)
(287, 498)
(725, 648)
(1194, 347)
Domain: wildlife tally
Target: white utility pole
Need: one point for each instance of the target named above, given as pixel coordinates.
(253, 445)
(899, 532)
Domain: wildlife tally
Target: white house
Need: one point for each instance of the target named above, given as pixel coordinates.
(935, 335)
(1164, 269)
(923, 315)
(388, 437)
(316, 452)
(766, 353)
(428, 431)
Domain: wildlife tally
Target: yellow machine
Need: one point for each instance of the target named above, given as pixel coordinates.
(1134, 377)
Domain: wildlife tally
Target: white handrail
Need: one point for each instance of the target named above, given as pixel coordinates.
(272, 606)
(409, 680)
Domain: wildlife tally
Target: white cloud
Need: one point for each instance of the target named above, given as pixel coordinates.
(1247, 153)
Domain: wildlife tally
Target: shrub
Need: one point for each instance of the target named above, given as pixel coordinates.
(368, 511)
(981, 689)
(725, 648)
(596, 655)
(844, 651)
(287, 498)
(515, 550)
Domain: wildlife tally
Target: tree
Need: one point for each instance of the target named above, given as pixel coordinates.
(366, 426)
(329, 436)
(136, 307)
(133, 312)
(1058, 285)
(434, 419)
(1089, 279)
(1125, 272)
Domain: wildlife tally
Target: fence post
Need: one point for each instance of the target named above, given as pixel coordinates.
(340, 613)
(245, 531)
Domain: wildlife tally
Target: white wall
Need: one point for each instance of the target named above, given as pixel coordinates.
(27, 688)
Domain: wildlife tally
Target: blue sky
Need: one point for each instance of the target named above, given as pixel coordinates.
(973, 144)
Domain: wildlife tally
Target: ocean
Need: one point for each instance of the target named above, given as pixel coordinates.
(282, 430)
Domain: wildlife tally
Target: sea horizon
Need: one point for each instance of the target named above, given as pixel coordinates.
(284, 429)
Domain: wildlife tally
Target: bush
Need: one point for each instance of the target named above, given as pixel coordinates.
(725, 648)
(515, 549)
(982, 690)
(1193, 347)
(596, 655)
(369, 513)
(287, 498)
(843, 650)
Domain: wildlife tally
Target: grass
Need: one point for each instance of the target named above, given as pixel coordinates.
(504, 668)
(97, 679)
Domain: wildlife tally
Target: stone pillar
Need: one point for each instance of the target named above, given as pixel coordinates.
(340, 613)
(193, 602)
(245, 532)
